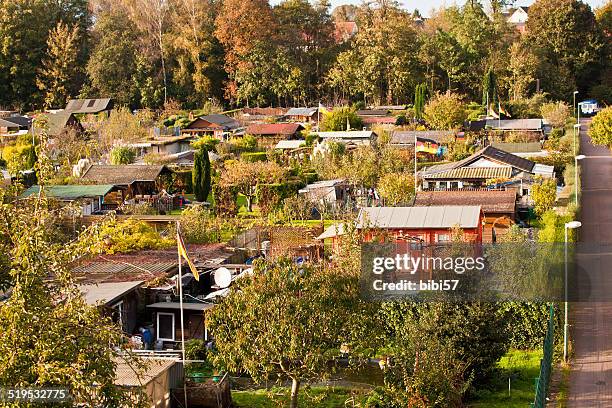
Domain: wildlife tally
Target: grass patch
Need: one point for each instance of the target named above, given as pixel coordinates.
(522, 367)
(316, 397)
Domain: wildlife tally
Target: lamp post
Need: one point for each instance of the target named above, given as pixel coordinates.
(572, 225)
(579, 157)
(576, 133)
(575, 92)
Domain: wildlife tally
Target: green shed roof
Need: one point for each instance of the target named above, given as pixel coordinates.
(71, 192)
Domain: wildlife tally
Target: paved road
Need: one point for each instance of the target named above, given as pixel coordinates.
(591, 374)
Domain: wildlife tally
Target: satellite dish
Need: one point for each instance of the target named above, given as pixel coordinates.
(223, 277)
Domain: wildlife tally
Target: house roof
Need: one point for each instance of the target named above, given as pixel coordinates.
(148, 265)
(332, 231)
(71, 192)
(491, 201)
(466, 216)
(218, 119)
(515, 124)
(344, 30)
(89, 105)
(371, 120)
(57, 122)
(109, 292)
(488, 152)
(473, 173)
(372, 112)
(122, 174)
(290, 144)
(322, 184)
(301, 111)
(21, 121)
(8, 124)
(270, 129)
(406, 137)
(351, 134)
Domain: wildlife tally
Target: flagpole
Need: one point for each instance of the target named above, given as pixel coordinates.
(180, 277)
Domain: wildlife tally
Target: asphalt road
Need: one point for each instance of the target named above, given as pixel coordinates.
(591, 372)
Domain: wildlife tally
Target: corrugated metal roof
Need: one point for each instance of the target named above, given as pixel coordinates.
(406, 137)
(419, 217)
(7, 124)
(301, 111)
(515, 124)
(176, 306)
(71, 192)
(107, 293)
(472, 173)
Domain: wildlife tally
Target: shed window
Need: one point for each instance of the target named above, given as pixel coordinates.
(443, 237)
(165, 326)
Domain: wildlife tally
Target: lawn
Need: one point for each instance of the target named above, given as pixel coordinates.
(315, 397)
(522, 367)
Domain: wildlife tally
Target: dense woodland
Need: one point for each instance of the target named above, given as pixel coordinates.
(144, 53)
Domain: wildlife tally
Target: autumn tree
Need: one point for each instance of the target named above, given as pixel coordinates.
(556, 113)
(284, 322)
(341, 118)
(601, 128)
(396, 188)
(245, 176)
(445, 111)
(240, 26)
(59, 68)
(544, 194)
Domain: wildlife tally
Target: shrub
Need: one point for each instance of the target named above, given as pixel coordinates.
(336, 119)
(544, 195)
(445, 111)
(271, 196)
(122, 155)
(601, 127)
(247, 143)
(225, 197)
(207, 142)
(556, 113)
(131, 235)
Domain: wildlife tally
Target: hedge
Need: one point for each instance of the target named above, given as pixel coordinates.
(271, 196)
(254, 157)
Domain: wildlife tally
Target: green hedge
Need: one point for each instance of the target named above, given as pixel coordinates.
(270, 196)
(254, 157)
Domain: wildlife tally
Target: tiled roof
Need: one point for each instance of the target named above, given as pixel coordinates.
(265, 129)
(71, 192)
(351, 134)
(472, 173)
(122, 174)
(491, 201)
(419, 217)
(372, 112)
(370, 120)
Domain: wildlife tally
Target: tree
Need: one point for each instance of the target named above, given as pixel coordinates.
(556, 113)
(601, 128)
(339, 118)
(396, 188)
(112, 65)
(59, 69)
(246, 176)
(445, 111)
(239, 32)
(19, 157)
(201, 174)
(565, 36)
(122, 126)
(49, 335)
(284, 322)
(544, 194)
(523, 69)
(25, 26)
(489, 90)
(420, 96)
(122, 155)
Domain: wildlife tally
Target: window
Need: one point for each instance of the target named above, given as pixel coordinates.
(165, 326)
(91, 103)
(442, 237)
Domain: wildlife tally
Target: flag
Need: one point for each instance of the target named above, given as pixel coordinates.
(182, 250)
(492, 111)
(505, 112)
(322, 108)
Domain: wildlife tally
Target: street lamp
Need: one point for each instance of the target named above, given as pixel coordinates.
(579, 157)
(575, 92)
(572, 225)
(576, 133)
